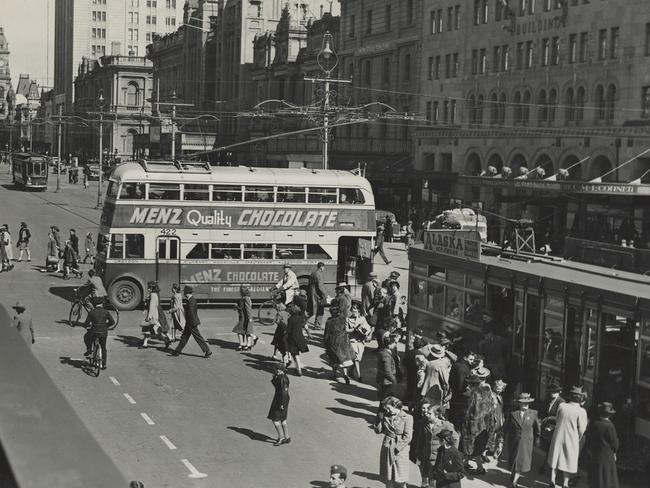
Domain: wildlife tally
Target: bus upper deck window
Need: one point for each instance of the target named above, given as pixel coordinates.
(258, 194)
(164, 191)
(196, 192)
(322, 195)
(351, 196)
(134, 246)
(226, 193)
(132, 191)
(291, 194)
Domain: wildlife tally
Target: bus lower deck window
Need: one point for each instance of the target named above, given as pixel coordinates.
(196, 192)
(225, 193)
(314, 251)
(117, 246)
(225, 251)
(132, 191)
(199, 251)
(134, 246)
(289, 251)
(258, 251)
(164, 191)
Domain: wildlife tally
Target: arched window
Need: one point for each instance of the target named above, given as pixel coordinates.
(569, 105)
(542, 109)
(471, 109)
(610, 102)
(494, 109)
(600, 102)
(479, 110)
(552, 102)
(517, 108)
(580, 104)
(525, 113)
(131, 95)
(502, 108)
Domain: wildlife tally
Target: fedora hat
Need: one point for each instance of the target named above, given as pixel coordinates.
(576, 393)
(394, 274)
(524, 398)
(606, 408)
(20, 305)
(553, 388)
(342, 284)
(188, 289)
(481, 373)
(445, 434)
(437, 351)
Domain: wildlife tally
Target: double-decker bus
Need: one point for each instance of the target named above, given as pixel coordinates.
(30, 171)
(218, 227)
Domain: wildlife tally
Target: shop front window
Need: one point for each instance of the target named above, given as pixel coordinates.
(436, 298)
(419, 293)
(454, 304)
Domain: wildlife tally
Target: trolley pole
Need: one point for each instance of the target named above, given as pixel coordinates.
(58, 162)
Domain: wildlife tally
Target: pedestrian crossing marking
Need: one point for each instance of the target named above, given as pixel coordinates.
(147, 419)
(194, 473)
(129, 398)
(114, 380)
(167, 442)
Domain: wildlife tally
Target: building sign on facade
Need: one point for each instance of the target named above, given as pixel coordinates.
(459, 243)
(564, 186)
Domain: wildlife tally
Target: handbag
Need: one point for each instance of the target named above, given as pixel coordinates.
(51, 260)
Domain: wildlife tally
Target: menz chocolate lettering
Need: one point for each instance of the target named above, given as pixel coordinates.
(287, 218)
(156, 215)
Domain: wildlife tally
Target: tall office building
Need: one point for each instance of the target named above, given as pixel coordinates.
(5, 75)
(94, 28)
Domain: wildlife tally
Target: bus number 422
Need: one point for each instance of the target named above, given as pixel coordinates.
(168, 232)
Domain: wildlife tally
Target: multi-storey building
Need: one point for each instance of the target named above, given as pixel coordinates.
(5, 74)
(530, 89)
(124, 84)
(95, 28)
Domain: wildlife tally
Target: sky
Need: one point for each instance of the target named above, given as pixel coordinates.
(25, 24)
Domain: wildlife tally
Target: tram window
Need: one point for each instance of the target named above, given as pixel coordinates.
(117, 246)
(474, 310)
(314, 251)
(291, 194)
(196, 192)
(38, 169)
(351, 196)
(419, 293)
(134, 246)
(225, 251)
(435, 298)
(226, 193)
(200, 250)
(436, 272)
(258, 251)
(289, 251)
(455, 277)
(322, 195)
(644, 370)
(132, 191)
(258, 193)
(553, 338)
(454, 304)
(164, 191)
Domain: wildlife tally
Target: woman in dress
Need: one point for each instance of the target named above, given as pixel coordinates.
(280, 340)
(359, 332)
(244, 326)
(337, 344)
(295, 335)
(89, 246)
(602, 444)
(70, 262)
(397, 427)
(155, 321)
(177, 310)
(280, 406)
(570, 426)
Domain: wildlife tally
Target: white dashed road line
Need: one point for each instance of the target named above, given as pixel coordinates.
(129, 398)
(147, 419)
(194, 473)
(114, 380)
(167, 442)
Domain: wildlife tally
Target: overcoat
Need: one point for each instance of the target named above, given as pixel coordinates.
(281, 334)
(23, 324)
(449, 468)
(428, 442)
(295, 338)
(280, 404)
(570, 426)
(337, 343)
(394, 455)
(317, 294)
(520, 433)
(244, 325)
(601, 445)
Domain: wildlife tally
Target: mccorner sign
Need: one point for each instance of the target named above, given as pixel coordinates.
(459, 244)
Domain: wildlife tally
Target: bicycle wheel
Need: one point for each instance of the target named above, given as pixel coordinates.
(96, 364)
(113, 313)
(76, 310)
(266, 312)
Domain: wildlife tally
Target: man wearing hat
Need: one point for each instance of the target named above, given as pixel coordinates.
(436, 377)
(379, 245)
(317, 295)
(338, 475)
(450, 466)
(458, 375)
(602, 444)
(393, 276)
(288, 284)
(97, 324)
(368, 292)
(342, 300)
(192, 323)
(22, 321)
(549, 415)
(520, 430)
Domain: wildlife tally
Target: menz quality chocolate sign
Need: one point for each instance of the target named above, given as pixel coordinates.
(227, 218)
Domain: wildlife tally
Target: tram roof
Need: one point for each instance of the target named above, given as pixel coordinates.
(167, 171)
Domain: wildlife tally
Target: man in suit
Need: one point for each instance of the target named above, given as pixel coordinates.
(317, 295)
(368, 293)
(379, 245)
(192, 323)
(450, 466)
(460, 370)
(520, 430)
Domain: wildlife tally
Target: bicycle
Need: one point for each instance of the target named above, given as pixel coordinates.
(266, 311)
(79, 305)
(95, 359)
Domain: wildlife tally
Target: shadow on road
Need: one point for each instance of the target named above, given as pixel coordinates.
(81, 364)
(356, 391)
(368, 417)
(129, 341)
(319, 484)
(65, 292)
(222, 344)
(252, 435)
(10, 187)
(351, 404)
(365, 474)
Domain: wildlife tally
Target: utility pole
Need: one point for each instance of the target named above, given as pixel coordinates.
(101, 149)
(29, 120)
(173, 104)
(58, 162)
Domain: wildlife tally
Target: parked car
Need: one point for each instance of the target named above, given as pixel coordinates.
(92, 170)
(380, 217)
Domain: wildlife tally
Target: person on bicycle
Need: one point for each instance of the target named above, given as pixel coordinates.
(97, 324)
(93, 288)
(288, 284)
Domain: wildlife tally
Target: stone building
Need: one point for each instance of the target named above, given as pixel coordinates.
(5, 75)
(126, 86)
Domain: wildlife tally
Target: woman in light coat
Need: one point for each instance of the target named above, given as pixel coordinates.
(570, 426)
(155, 321)
(177, 310)
(397, 427)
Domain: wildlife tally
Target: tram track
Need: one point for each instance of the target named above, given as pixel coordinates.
(66, 209)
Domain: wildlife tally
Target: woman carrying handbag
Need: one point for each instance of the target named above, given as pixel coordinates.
(155, 323)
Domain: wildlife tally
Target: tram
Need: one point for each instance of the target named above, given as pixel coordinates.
(30, 171)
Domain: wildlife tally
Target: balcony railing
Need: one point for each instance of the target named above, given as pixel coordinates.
(607, 255)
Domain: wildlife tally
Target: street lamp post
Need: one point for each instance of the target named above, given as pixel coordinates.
(173, 98)
(58, 163)
(100, 102)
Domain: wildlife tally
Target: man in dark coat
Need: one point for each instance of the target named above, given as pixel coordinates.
(549, 414)
(387, 374)
(520, 430)
(460, 371)
(450, 466)
(74, 241)
(192, 323)
(379, 245)
(97, 324)
(368, 293)
(495, 350)
(317, 295)
(602, 444)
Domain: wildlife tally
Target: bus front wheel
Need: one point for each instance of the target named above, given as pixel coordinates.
(125, 295)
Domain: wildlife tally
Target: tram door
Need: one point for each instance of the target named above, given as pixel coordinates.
(168, 261)
(531, 345)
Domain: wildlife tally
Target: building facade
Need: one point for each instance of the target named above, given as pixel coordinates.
(529, 89)
(125, 83)
(89, 28)
(5, 74)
